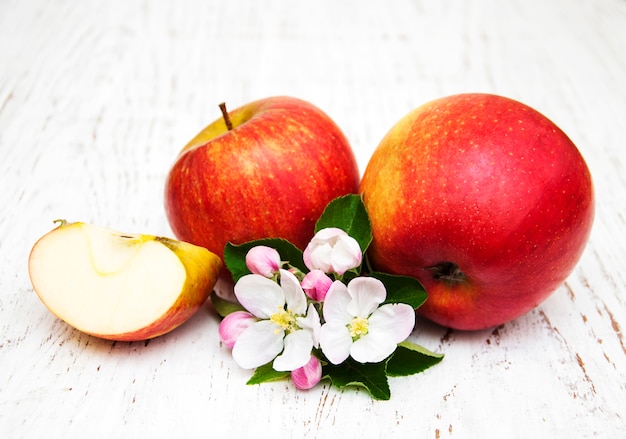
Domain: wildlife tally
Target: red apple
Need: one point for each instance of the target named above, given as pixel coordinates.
(270, 174)
(119, 286)
(484, 200)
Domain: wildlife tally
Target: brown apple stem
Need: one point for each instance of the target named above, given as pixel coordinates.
(226, 117)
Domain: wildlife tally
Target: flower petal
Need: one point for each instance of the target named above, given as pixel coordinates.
(396, 321)
(372, 348)
(263, 260)
(316, 284)
(335, 341)
(307, 376)
(320, 258)
(233, 325)
(346, 255)
(317, 254)
(367, 293)
(328, 234)
(306, 257)
(297, 352)
(336, 304)
(259, 295)
(258, 344)
(294, 295)
(311, 323)
(388, 325)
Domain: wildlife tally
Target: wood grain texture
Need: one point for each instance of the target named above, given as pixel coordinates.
(97, 98)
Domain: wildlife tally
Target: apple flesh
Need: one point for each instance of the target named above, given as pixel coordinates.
(118, 286)
(270, 176)
(484, 200)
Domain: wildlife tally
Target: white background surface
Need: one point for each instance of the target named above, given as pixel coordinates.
(98, 97)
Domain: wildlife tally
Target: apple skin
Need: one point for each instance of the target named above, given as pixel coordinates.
(484, 200)
(202, 269)
(272, 175)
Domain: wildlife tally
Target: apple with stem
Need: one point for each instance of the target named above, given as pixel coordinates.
(266, 169)
(484, 200)
(119, 286)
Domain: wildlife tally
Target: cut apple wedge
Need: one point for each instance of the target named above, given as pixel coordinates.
(119, 286)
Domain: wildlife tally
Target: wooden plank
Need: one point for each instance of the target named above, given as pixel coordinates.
(96, 100)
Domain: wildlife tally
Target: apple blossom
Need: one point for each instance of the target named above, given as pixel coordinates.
(356, 326)
(333, 251)
(315, 284)
(233, 325)
(263, 260)
(307, 376)
(286, 330)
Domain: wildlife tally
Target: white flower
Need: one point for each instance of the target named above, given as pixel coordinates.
(286, 331)
(333, 251)
(356, 326)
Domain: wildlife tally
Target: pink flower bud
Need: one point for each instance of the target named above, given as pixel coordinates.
(263, 260)
(307, 376)
(233, 325)
(315, 284)
(333, 251)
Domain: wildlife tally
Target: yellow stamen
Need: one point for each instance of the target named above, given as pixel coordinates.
(358, 326)
(284, 319)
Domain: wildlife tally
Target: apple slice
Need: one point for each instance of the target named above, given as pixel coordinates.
(118, 286)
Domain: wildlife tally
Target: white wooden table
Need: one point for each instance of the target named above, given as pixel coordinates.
(97, 98)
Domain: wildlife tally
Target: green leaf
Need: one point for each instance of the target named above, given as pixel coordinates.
(348, 214)
(371, 376)
(410, 358)
(224, 307)
(235, 255)
(402, 289)
(265, 373)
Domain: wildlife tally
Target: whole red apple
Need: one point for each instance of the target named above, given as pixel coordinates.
(266, 169)
(483, 199)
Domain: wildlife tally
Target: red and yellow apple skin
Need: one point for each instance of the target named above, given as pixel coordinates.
(272, 175)
(484, 200)
(203, 268)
